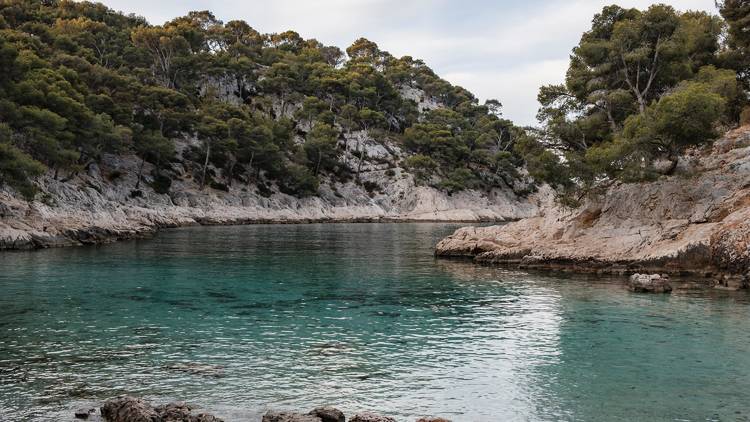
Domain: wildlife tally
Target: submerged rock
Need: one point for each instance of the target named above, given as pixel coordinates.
(433, 420)
(129, 409)
(273, 416)
(371, 417)
(84, 413)
(328, 414)
(649, 283)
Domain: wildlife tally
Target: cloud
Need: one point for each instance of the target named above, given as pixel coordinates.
(501, 49)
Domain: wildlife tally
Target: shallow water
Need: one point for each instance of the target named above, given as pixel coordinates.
(242, 319)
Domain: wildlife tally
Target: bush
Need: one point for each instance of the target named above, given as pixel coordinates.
(161, 184)
(422, 166)
(219, 186)
(458, 180)
(17, 169)
(114, 175)
(299, 181)
(371, 187)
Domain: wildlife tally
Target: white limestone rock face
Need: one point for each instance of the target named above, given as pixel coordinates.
(99, 205)
(424, 102)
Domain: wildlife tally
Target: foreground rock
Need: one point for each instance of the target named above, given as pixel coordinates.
(649, 283)
(132, 409)
(696, 222)
(84, 413)
(328, 414)
(371, 417)
(273, 416)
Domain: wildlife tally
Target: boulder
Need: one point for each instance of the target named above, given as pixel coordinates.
(174, 412)
(84, 413)
(129, 409)
(430, 419)
(132, 409)
(204, 417)
(649, 283)
(273, 416)
(328, 414)
(371, 417)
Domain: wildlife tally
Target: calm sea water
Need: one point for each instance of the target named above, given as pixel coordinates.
(242, 319)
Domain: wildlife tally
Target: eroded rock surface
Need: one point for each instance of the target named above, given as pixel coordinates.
(697, 222)
(649, 283)
(371, 417)
(129, 409)
(328, 414)
(103, 204)
(273, 416)
(132, 409)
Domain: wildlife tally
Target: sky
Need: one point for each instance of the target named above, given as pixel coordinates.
(501, 49)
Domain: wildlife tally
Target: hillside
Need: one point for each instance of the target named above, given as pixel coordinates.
(110, 127)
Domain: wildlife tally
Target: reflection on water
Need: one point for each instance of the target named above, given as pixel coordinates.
(242, 319)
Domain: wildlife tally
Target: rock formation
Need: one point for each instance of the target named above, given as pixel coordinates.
(649, 283)
(696, 221)
(132, 409)
(370, 417)
(98, 206)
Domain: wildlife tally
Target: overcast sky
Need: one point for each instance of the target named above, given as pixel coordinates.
(503, 49)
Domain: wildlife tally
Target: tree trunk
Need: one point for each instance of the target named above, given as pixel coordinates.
(205, 164)
(231, 172)
(140, 174)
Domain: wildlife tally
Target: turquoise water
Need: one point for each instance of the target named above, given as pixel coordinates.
(242, 319)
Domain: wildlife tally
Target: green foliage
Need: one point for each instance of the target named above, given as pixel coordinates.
(80, 80)
(459, 179)
(299, 181)
(737, 56)
(641, 87)
(161, 183)
(17, 169)
(683, 118)
(422, 166)
(321, 148)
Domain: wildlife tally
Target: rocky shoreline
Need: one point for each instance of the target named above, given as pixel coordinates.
(696, 223)
(134, 409)
(107, 203)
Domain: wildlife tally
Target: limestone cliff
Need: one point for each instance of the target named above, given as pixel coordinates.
(697, 222)
(99, 206)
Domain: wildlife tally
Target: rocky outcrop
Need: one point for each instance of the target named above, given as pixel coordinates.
(129, 409)
(370, 417)
(696, 221)
(273, 416)
(102, 204)
(328, 414)
(649, 283)
(132, 409)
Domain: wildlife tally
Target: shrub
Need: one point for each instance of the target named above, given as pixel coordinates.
(161, 183)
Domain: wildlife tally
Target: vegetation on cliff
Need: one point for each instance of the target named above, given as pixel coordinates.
(641, 87)
(80, 80)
